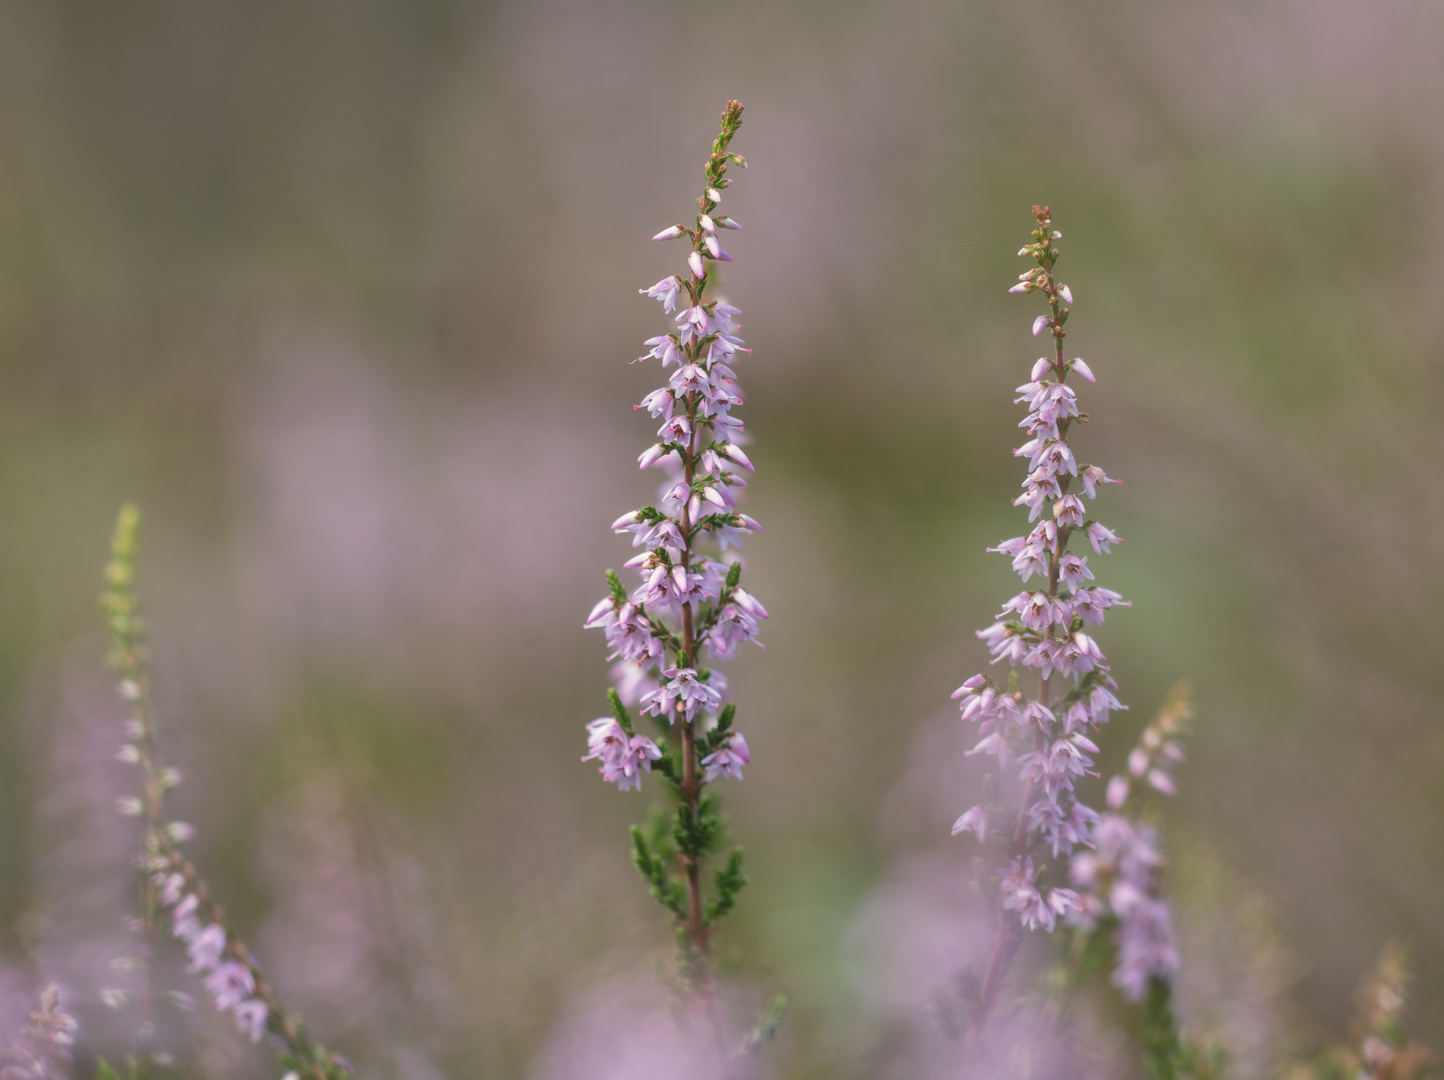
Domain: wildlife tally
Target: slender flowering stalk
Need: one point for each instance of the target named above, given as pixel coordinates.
(689, 610)
(1382, 1050)
(1044, 733)
(227, 968)
(44, 1049)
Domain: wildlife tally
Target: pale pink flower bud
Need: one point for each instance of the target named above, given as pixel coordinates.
(712, 246)
(728, 223)
(975, 820)
(1038, 324)
(1138, 761)
(708, 225)
(733, 451)
(1040, 368)
(1082, 368)
(748, 603)
(671, 234)
(1161, 781)
(694, 260)
(1066, 293)
(1117, 792)
(714, 195)
(648, 458)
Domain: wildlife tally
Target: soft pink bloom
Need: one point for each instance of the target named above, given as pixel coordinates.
(728, 758)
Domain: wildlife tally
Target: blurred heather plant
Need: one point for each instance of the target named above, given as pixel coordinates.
(1043, 733)
(1379, 1049)
(690, 609)
(43, 1052)
(170, 882)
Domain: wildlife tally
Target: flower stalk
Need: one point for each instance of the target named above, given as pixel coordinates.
(228, 969)
(690, 610)
(1043, 738)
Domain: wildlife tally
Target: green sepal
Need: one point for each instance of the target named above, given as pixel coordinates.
(734, 575)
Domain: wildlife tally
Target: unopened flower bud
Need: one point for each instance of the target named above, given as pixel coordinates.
(180, 831)
(1161, 781)
(1117, 792)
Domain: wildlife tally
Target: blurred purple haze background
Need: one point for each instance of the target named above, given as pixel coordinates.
(344, 295)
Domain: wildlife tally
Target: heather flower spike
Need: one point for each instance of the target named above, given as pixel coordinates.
(44, 1049)
(218, 957)
(1040, 722)
(688, 610)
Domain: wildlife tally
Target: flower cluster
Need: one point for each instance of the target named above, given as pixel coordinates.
(688, 606)
(1047, 736)
(1118, 880)
(214, 955)
(45, 1043)
(624, 756)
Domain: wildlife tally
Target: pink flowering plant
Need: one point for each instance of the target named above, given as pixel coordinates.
(171, 885)
(688, 610)
(1091, 880)
(1059, 864)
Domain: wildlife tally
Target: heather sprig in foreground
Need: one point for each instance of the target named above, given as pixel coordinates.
(689, 610)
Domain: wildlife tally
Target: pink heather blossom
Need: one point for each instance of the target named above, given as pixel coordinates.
(1041, 727)
(683, 578)
(683, 690)
(667, 290)
(229, 983)
(727, 758)
(623, 757)
(975, 820)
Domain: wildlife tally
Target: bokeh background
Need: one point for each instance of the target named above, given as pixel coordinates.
(344, 294)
